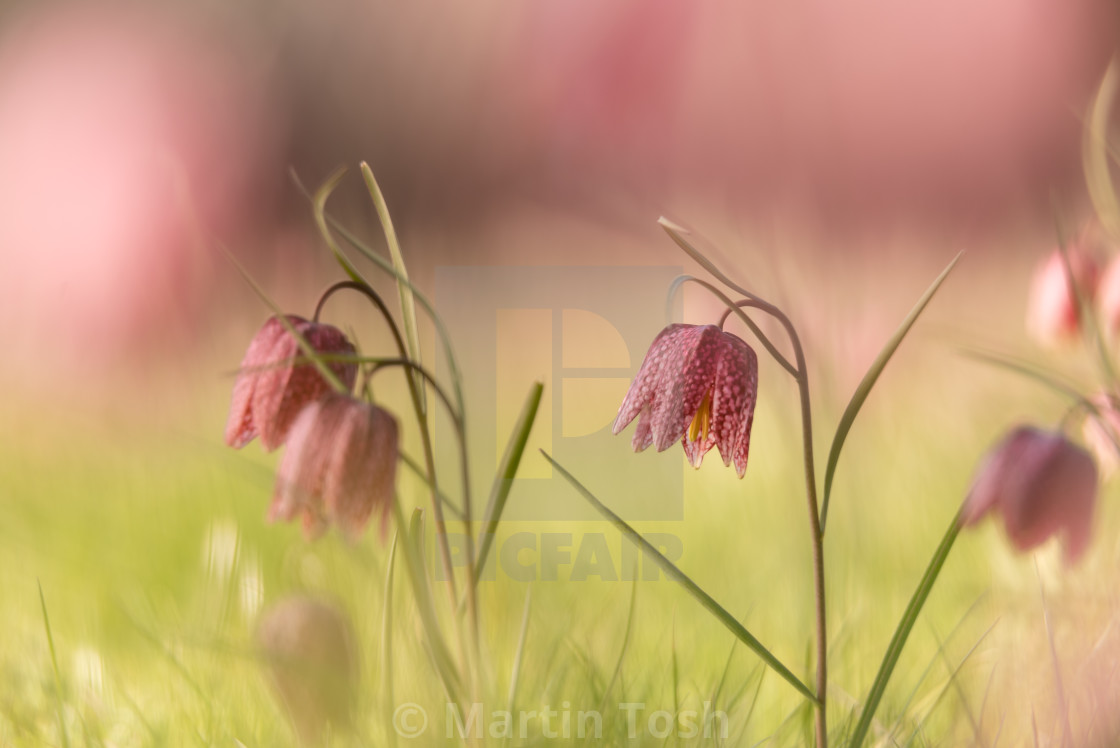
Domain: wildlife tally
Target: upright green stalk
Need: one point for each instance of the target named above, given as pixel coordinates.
(815, 530)
(801, 375)
(676, 233)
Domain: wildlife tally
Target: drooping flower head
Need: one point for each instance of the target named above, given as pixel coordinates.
(1043, 484)
(697, 384)
(309, 647)
(271, 389)
(1053, 316)
(340, 464)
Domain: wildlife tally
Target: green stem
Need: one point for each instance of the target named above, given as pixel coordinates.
(464, 464)
(816, 535)
(421, 417)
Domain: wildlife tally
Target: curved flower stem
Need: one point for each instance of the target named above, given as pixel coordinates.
(802, 377)
(676, 233)
(425, 430)
(733, 309)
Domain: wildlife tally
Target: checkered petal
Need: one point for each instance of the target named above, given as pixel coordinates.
(270, 390)
(686, 365)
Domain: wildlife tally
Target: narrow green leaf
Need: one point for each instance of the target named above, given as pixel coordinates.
(319, 209)
(387, 628)
(869, 379)
(507, 471)
(515, 672)
(902, 632)
(54, 665)
(422, 594)
(334, 224)
(404, 287)
(691, 587)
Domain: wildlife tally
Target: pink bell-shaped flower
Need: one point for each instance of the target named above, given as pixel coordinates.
(271, 389)
(339, 465)
(697, 384)
(1043, 484)
(1053, 316)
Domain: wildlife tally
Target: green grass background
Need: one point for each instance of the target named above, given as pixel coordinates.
(149, 541)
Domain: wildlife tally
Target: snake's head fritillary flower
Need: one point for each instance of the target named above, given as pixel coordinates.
(1053, 316)
(1101, 431)
(339, 465)
(309, 647)
(697, 384)
(1043, 484)
(271, 389)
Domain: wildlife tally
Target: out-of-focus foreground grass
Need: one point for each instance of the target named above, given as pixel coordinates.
(149, 542)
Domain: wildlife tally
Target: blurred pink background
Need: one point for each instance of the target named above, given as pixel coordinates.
(133, 135)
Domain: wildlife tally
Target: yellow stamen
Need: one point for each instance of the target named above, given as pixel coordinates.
(702, 419)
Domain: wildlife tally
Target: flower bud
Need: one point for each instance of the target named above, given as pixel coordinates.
(309, 648)
(271, 389)
(1042, 484)
(1053, 315)
(340, 464)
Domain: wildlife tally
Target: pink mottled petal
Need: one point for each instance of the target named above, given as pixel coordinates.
(239, 426)
(648, 379)
(733, 398)
(295, 473)
(272, 394)
(694, 451)
(282, 391)
(328, 339)
(685, 380)
(1058, 498)
(384, 479)
(346, 483)
(643, 437)
(743, 444)
(240, 429)
(992, 479)
(362, 473)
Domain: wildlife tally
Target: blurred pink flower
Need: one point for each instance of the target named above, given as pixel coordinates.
(1042, 484)
(1108, 297)
(697, 384)
(128, 137)
(271, 390)
(309, 647)
(1053, 316)
(340, 463)
(1101, 433)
